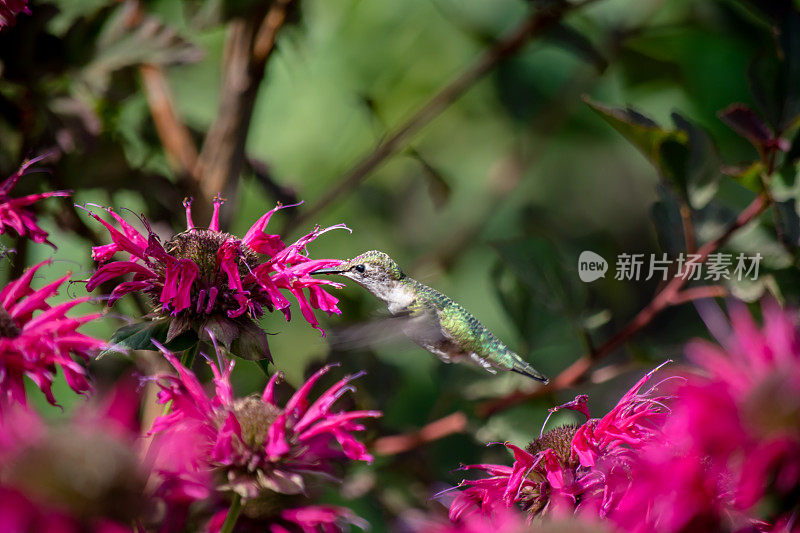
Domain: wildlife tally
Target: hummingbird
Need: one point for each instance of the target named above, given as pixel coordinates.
(432, 320)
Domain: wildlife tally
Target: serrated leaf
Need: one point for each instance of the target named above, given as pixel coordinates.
(140, 336)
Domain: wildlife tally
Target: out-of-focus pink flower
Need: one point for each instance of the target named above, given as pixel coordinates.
(84, 474)
(10, 9)
(569, 468)
(15, 213)
(253, 444)
(307, 519)
(503, 520)
(732, 441)
(208, 279)
(35, 337)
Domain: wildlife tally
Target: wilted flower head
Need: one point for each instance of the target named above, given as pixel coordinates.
(9, 9)
(208, 279)
(569, 467)
(15, 213)
(255, 446)
(36, 337)
(729, 457)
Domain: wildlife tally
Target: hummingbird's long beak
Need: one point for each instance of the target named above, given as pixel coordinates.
(328, 271)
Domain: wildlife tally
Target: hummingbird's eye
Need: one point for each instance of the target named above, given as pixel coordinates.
(360, 268)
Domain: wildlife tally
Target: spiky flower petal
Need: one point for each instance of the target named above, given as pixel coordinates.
(208, 279)
(36, 337)
(253, 444)
(15, 213)
(569, 467)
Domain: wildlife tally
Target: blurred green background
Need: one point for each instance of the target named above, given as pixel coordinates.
(491, 202)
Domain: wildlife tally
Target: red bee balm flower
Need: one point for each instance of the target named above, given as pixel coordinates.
(208, 279)
(253, 445)
(32, 345)
(570, 467)
(15, 213)
(10, 9)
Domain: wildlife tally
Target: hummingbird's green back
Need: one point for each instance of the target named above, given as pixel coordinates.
(466, 330)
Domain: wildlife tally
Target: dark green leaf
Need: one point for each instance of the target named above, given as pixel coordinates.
(252, 343)
(140, 336)
(701, 174)
(577, 43)
(788, 222)
(667, 220)
(641, 131)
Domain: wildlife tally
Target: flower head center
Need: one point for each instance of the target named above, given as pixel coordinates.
(201, 246)
(8, 328)
(255, 417)
(558, 439)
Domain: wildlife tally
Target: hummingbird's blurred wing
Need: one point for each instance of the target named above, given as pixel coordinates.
(386, 330)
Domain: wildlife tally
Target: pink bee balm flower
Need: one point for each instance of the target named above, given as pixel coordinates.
(83, 474)
(10, 9)
(307, 519)
(729, 458)
(569, 467)
(208, 279)
(16, 213)
(35, 337)
(254, 445)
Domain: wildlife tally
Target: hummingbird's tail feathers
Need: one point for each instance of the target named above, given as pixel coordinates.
(521, 367)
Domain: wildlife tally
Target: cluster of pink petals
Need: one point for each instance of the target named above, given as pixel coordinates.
(307, 519)
(180, 286)
(302, 437)
(10, 9)
(732, 441)
(593, 479)
(92, 460)
(15, 213)
(36, 337)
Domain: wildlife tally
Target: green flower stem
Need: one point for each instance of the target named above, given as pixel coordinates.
(187, 358)
(233, 514)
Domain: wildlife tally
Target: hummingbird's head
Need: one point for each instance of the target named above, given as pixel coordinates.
(369, 269)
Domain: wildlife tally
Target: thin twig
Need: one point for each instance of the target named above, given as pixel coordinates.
(670, 295)
(174, 135)
(532, 26)
(250, 43)
(453, 423)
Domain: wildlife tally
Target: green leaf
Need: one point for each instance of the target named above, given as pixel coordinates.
(685, 156)
(666, 217)
(748, 176)
(641, 131)
(252, 343)
(566, 37)
(140, 336)
(700, 173)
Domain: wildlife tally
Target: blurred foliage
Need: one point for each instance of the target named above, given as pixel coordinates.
(491, 203)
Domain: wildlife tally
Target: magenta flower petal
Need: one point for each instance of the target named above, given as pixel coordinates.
(257, 444)
(35, 338)
(205, 276)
